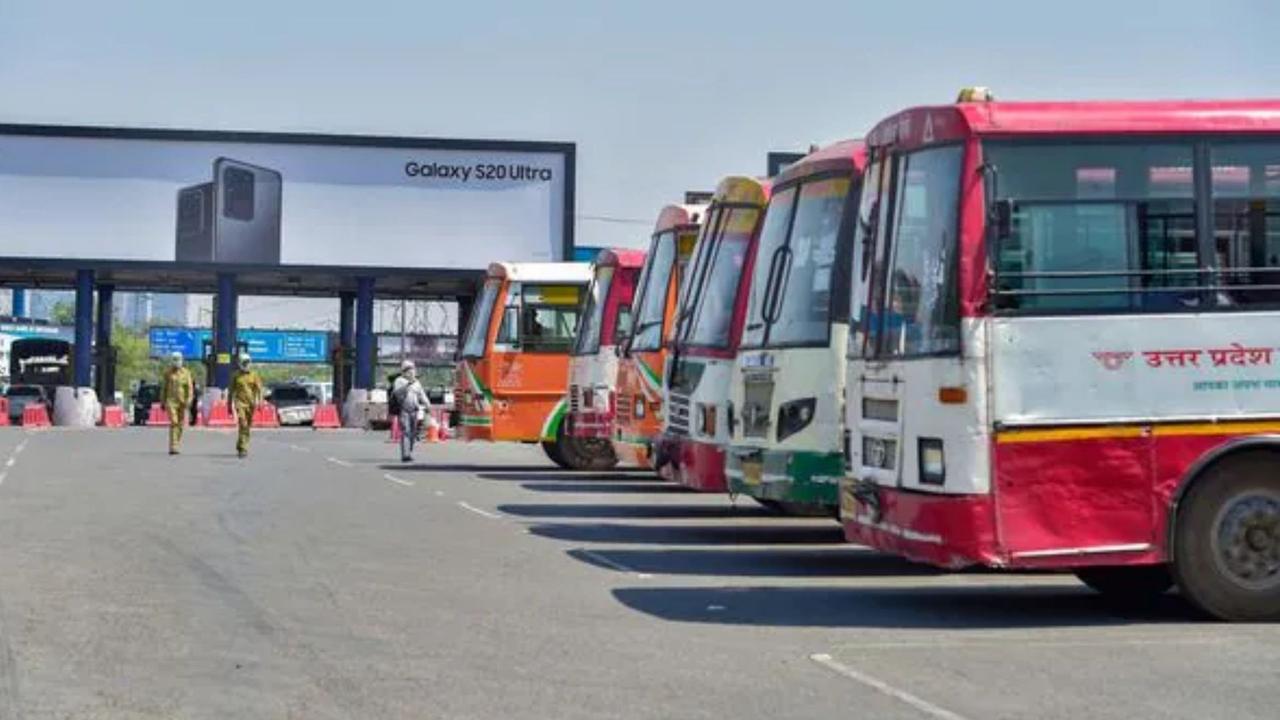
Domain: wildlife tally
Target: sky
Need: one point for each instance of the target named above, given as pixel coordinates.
(660, 97)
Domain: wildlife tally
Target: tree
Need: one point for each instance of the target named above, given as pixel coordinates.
(62, 313)
(133, 358)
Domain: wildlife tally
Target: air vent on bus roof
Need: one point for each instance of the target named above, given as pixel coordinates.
(976, 93)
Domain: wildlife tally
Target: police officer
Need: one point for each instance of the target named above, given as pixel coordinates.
(177, 391)
(246, 395)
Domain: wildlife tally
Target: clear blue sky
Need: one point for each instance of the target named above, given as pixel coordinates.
(660, 96)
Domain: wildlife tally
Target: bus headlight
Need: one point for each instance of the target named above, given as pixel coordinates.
(933, 465)
(795, 416)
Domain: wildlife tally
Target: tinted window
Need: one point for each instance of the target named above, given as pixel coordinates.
(24, 391)
(478, 324)
(773, 238)
(588, 342)
(803, 307)
(715, 301)
(290, 394)
(1095, 226)
(1246, 216)
(920, 309)
(651, 302)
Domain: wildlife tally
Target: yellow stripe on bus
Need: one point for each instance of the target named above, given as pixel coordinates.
(1108, 432)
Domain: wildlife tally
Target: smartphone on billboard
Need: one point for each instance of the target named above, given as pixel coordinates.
(194, 241)
(246, 218)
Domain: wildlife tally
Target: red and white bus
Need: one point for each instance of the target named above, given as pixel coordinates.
(640, 407)
(593, 362)
(1062, 351)
(707, 329)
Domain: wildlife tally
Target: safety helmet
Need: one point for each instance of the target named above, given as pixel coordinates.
(245, 360)
(175, 358)
(406, 365)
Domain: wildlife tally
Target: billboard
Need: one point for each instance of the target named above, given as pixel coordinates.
(271, 346)
(270, 200)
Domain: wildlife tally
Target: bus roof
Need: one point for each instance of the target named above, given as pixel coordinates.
(673, 217)
(619, 257)
(922, 126)
(741, 189)
(565, 272)
(841, 156)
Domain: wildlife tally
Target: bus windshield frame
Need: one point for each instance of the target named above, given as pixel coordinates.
(716, 265)
(591, 325)
(652, 293)
(476, 340)
(805, 235)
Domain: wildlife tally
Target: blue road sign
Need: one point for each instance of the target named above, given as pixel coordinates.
(280, 346)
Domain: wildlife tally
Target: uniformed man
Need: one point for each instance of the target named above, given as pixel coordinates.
(177, 391)
(246, 395)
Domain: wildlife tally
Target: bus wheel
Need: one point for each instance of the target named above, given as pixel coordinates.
(1226, 543)
(553, 451)
(591, 454)
(1130, 586)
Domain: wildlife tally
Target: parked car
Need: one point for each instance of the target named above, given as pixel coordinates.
(20, 396)
(294, 403)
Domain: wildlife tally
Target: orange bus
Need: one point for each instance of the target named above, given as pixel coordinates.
(593, 365)
(638, 418)
(513, 362)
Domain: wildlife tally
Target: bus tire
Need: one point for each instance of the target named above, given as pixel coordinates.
(591, 454)
(553, 451)
(1226, 539)
(1128, 585)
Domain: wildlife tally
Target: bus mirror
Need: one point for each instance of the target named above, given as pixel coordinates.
(1002, 219)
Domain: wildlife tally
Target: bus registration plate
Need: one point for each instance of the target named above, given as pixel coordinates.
(752, 470)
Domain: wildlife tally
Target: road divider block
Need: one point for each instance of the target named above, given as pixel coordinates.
(4, 412)
(158, 416)
(265, 416)
(112, 416)
(326, 417)
(220, 416)
(36, 415)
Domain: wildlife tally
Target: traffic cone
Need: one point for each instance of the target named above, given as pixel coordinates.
(36, 415)
(326, 417)
(112, 416)
(4, 412)
(220, 416)
(395, 429)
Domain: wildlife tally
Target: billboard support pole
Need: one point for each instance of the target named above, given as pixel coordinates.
(105, 352)
(84, 328)
(364, 334)
(224, 330)
(346, 340)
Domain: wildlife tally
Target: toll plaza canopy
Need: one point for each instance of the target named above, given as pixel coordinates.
(230, 213)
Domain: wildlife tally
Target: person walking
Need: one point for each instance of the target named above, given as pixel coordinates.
(411, 400)
(246, 395)
(177, 392)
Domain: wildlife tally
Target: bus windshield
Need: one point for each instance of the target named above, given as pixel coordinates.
(714, 304)
(652, 303)
(791, 284)
(540, 318)
(588, 341)
(478, 326)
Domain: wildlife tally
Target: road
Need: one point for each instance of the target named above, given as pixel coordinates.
(319, 579)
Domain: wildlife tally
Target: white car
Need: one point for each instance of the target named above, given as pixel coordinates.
(294, 404)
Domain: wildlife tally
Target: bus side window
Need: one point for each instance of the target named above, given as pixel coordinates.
(1246, 219)
(509, 331)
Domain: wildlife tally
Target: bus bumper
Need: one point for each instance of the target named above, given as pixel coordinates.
(593, 425)
(807, 478)
(695, 465)
(949, 531)
(475, 426)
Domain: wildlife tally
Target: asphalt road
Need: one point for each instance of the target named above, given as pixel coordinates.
(320, 579)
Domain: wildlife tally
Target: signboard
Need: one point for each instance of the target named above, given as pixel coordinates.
(268, 200)
(10, 331)
(270, 346)
(1068, 370)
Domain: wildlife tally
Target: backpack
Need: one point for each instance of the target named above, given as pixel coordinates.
(393, 398)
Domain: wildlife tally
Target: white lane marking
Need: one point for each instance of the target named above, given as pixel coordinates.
(396, 480)
(479, 511)
(439, 493)
(613, 564)
(10, 462)
(21, 446)
(885, 688)
(336, 461)
(299, 448)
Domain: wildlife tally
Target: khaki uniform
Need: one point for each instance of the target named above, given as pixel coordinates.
(177, 391)
(246, 395)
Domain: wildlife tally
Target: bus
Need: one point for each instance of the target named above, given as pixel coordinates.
(639, 406)
(709, 322)
(513, 363)
(786, 392)
(593, 364)
(1061, 354)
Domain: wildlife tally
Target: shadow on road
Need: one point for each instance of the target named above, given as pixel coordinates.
(846, 561)
(526, 471)
(617, 488)
(559, 475)
(816, 533)
(632, 512)
(992, 606)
